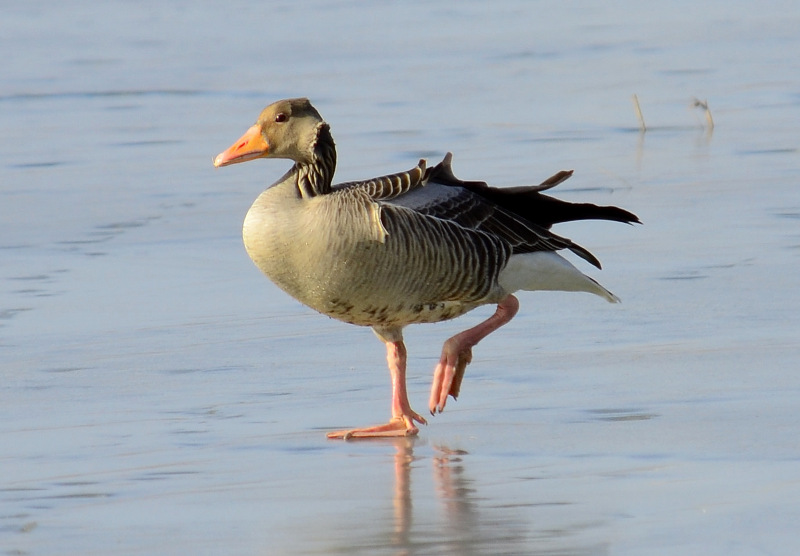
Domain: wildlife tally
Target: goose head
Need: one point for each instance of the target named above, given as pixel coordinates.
(288, 128)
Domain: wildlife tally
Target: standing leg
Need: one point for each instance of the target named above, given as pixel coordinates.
(403, 417)
(457, 354)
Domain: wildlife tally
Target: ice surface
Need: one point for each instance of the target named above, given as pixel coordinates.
(159, 396)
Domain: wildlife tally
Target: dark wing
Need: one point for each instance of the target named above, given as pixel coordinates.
(447, 198)
(529, 203)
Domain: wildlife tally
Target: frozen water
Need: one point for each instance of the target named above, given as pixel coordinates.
(160, 396)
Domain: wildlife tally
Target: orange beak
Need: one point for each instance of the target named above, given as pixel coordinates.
(251, 145)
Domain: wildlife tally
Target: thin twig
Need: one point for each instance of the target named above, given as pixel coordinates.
(638, 109)
(704, 105)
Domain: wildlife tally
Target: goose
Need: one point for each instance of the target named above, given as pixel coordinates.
(418, 246)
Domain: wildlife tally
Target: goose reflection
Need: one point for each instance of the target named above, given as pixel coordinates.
(435, 507)
(459, 531)
(403, 459)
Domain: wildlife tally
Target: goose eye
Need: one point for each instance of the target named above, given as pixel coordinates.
(280, 118)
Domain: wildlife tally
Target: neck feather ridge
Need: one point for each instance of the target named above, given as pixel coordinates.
(316, 176)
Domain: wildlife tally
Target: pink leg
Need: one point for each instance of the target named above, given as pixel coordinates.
(403, 417)
(457, 354)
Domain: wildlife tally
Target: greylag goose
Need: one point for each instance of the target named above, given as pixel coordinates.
(413, 247)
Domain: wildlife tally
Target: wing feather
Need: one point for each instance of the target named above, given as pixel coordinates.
(389, 187)
(445, 197)
(473, 205)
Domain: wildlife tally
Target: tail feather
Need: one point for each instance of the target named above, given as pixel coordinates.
(546, 270)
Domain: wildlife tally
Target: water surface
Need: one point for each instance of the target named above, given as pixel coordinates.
(161, 397)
